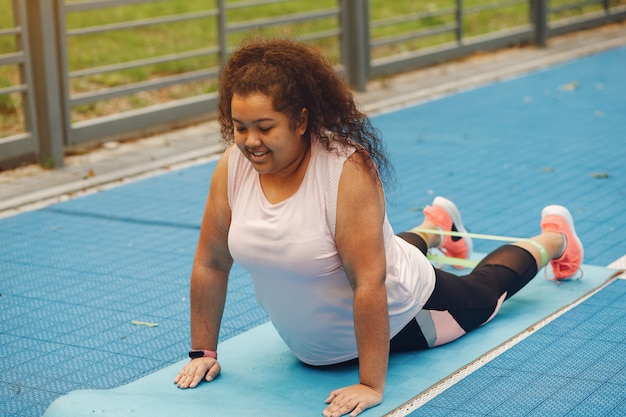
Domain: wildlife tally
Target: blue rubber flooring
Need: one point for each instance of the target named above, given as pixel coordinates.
(575, 366)
(74, 276)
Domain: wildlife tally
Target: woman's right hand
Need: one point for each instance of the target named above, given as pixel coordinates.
(196, 370)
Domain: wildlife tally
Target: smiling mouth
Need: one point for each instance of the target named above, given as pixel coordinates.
(258, 154)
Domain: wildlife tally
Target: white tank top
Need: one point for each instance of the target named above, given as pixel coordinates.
(289, 250)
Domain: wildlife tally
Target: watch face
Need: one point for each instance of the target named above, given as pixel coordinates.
(193, 354)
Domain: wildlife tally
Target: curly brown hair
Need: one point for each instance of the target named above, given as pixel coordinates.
(299, 76)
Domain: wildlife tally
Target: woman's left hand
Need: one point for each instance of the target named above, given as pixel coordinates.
(351, 400)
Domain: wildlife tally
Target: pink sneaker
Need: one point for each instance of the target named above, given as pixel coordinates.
(558, 219)
(446, 216)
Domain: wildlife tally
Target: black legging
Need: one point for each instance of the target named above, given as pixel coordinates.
(469, 300)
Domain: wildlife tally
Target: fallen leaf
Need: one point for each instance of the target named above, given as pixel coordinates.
(144, 323)
(600, 175)
(111, 145)
(569, 86)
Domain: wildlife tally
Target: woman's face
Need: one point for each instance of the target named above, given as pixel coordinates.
(265, 136)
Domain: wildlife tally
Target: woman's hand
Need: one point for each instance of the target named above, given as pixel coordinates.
(353, 400)
(197, 369)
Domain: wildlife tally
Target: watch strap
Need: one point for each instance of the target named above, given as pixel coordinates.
(202, 353)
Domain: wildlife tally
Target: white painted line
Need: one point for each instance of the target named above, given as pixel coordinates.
(446, 383)
(620, 264)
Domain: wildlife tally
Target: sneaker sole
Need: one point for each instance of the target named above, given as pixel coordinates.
(564, 212)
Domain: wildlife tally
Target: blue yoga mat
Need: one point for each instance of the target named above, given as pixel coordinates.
(260, 376)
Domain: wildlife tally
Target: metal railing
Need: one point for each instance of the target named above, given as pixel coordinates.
(62, 92)
(131, 122)
(25, 141)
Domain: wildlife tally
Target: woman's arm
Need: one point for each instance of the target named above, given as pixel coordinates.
(209, 279)
(359, 238)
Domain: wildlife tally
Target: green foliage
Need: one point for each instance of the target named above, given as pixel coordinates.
(97, 50)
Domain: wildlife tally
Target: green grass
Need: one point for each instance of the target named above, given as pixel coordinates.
(125, 45)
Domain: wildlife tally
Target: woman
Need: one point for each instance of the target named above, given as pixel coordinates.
(298, 202)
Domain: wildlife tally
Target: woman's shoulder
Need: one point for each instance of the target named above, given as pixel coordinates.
(331, 145)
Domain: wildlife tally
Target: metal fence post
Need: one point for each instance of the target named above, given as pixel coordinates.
(459, 21)
(222, 35)
(539, 17)
(43, 26)
(23, 44)
(355, 42)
